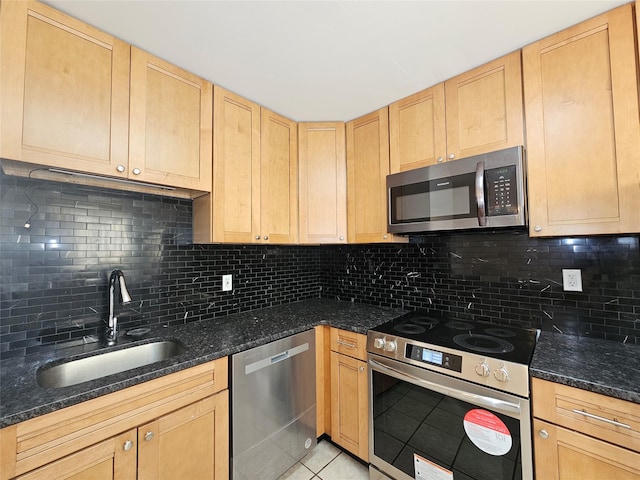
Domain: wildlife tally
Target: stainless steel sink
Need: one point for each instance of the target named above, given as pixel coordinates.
(80, 370)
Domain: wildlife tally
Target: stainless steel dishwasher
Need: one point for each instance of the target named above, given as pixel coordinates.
(273, 407)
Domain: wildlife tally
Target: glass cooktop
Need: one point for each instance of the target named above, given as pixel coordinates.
(504, 342)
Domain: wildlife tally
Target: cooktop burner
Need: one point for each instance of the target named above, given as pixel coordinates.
(502, 342)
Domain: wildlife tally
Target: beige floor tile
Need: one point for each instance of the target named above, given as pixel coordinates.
(343, 467)
(297, 472)
(321, 455)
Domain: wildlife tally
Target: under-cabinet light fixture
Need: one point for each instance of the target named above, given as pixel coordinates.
(118, 180)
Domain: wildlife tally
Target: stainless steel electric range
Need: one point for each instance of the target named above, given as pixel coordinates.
(449, 399)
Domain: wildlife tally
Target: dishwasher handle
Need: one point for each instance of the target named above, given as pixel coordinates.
(273, 359)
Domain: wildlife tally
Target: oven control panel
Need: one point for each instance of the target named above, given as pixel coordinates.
(446, 360)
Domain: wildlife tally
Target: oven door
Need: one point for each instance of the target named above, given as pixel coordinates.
(426, 425)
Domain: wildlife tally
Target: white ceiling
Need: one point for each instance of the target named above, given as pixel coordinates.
(330, 60)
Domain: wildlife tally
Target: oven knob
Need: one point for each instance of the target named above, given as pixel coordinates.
(502, 374)
(390, 345)
(378, 343)
(482, 369)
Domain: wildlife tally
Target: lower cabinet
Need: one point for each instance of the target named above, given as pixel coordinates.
(584, 435)
(349, 393)
(176, 426)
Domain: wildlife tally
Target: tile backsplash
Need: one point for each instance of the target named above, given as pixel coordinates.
(53, 281)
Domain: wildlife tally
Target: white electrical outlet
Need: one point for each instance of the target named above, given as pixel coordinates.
(227, 282)
(571, 280)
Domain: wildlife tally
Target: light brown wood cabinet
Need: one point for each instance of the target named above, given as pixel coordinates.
(170, 124)
(65, 91)
(367, 170)
(349, 392)
(583, 132)
(323, 182)
(476, 112)
(78, 99)
(176, 426)
(255, 176)
(580, 435)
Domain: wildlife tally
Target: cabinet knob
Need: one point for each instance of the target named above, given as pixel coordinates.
(127, 445)
(136, 171)
(440, 159)
(148, 436)
(257, 237)
(542, 433)
(341, 238)
(361, 369)
(385, 236)
(266, 237)
(537, 228)
(451, 156)
(120, 168)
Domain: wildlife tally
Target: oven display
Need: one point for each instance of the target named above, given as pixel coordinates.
(434, 357)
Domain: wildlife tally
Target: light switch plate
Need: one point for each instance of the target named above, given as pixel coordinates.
(227, 282)
(571, 280)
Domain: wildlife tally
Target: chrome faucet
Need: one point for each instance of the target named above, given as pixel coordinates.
(116, 278)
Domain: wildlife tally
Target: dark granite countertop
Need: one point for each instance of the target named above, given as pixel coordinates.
(21, 398)
(591, 364)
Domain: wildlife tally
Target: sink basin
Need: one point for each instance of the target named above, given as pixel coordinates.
(84, 369)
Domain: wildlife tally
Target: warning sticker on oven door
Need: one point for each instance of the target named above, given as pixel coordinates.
(426, 470)
(487, 432)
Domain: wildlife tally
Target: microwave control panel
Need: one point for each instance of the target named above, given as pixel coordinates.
(501, 190)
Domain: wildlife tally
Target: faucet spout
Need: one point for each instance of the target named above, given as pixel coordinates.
(115, 279)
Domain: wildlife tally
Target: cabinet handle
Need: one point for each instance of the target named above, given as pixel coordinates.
(341, 238)
(602, 419)
(537, 228)
(148, 436)
(440, 159)
(127, 445)
(451, 156)
(120, 168)
(137, 171)
(361, 369)
(257, 237)
(543, 434)
(266, 237)
(385, 236)
(346, 344)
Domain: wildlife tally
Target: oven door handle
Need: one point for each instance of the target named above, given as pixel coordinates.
(479, 400)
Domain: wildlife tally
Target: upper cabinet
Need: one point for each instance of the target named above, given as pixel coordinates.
(476, 112)
(323, 182)
(170, 124)
(367, 170)
(65, 91)
(76, 98)
(255, 176)
(583, 130)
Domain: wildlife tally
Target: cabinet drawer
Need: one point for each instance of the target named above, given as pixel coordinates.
(349, 343)
(36, 442)
(610, 419)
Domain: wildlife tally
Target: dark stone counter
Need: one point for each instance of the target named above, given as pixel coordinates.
(22, 399)
(599, 366)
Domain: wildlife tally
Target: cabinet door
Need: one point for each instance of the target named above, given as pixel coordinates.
(484, 108)
(367, 170)
(113, 459)
(170, 130)
(581, 99)
(278, 178)
(236, 168)
(349, 404)
(562, 454)
(192, 442)
(323, 182)
(417, 130)
(65, 91)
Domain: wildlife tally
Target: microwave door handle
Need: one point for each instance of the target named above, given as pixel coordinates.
(482, 214)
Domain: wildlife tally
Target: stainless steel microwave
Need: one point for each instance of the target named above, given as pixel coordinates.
(483, 191)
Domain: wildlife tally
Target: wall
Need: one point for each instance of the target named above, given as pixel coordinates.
(53, 276)
(504, 277)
